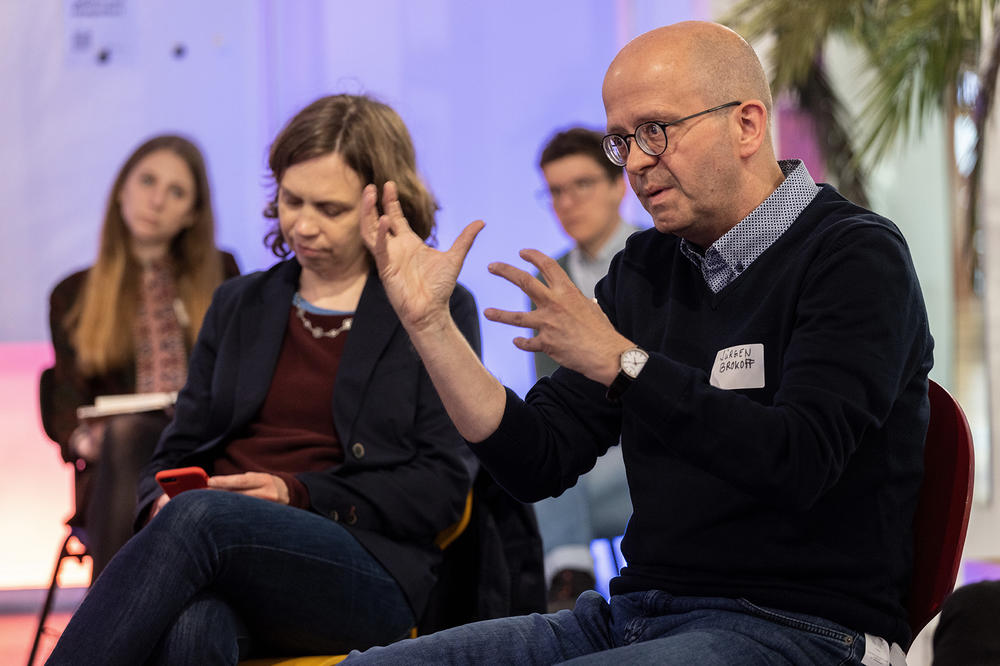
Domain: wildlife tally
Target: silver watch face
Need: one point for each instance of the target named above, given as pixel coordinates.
(632, 361)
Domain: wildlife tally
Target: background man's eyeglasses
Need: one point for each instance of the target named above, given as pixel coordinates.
(651, 137)
(575, 189)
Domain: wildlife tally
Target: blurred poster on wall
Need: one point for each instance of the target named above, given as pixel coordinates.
(99, 33)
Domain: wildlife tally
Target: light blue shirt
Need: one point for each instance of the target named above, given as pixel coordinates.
(586, 272)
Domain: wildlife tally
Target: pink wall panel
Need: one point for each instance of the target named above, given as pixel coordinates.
(796, 139)
(35, 484)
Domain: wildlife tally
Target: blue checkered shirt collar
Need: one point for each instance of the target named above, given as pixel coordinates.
(739, 247)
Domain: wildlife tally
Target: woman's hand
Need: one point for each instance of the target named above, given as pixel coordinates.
(417, 278)
(85, 440)
(255, 484)
(160, 502)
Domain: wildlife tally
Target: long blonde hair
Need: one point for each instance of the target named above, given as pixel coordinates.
(100, 322)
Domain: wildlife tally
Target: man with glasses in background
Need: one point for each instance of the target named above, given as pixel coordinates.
(763, 356)
(585, 190)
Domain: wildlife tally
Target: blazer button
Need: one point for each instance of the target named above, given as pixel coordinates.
(334, 515)
(358, 449)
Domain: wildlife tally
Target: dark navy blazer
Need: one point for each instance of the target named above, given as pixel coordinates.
(402, 479)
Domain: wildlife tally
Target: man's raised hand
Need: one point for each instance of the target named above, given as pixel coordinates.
(571, 328)
(417, 278)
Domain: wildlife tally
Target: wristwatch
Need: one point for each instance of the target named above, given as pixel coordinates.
(630, 364)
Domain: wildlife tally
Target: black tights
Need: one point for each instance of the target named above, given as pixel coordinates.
(129, 440)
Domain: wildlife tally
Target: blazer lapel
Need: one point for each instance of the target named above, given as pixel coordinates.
(263, 321)
(375, 323)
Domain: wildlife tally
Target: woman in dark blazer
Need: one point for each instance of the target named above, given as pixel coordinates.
(332, 462)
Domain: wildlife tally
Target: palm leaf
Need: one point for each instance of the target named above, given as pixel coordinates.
(817, 100)
(916, 50)
(918, 54)
(798, 32)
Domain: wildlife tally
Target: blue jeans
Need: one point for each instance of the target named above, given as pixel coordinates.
(637, 628)
(218, 576)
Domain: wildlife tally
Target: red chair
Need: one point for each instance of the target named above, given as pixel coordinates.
(943, 505)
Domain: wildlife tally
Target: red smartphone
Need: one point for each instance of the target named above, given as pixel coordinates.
(174, 481)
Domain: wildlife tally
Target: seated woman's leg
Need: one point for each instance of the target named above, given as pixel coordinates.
(304, 585)
(299, 581)
(129, 440)
(188, 642)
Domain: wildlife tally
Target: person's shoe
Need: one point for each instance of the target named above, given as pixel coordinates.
(566, 586)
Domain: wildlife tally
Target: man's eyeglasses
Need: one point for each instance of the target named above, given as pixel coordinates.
(651, 137)
(576, 189)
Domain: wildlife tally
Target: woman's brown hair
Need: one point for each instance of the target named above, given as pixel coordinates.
(100, 323)
(371, 139)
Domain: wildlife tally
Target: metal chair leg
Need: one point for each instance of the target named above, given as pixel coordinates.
(51, 594)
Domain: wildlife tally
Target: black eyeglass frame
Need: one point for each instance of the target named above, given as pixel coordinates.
(575, 189)
(609, 147)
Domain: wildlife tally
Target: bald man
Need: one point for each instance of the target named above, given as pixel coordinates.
(763, 354)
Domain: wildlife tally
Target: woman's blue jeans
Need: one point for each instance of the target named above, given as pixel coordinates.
(637, 628)
(218, 576)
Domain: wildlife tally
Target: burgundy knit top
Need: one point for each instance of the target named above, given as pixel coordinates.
(293, 431)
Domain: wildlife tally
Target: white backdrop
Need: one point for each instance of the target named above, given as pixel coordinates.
(481, 85)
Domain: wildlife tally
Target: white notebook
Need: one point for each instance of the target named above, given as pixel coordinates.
(128, 403)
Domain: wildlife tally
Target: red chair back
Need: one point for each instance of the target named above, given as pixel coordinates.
(943, 505)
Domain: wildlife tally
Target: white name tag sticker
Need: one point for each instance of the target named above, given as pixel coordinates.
(739, 367)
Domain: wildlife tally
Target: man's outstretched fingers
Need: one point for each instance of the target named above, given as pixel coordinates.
(392, 210)
(511, 317)
(548, 268)
(528, 344)
(369, 217)
(463, 243)
(521, 279)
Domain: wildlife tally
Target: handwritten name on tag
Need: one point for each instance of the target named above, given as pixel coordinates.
(739, 367)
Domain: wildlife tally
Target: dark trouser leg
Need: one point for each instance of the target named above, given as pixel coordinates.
(969, 629)
(129, 440)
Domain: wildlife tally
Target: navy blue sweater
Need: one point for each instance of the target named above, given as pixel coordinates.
(798, 495)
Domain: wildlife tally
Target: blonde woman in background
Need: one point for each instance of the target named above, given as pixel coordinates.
(126, 325)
